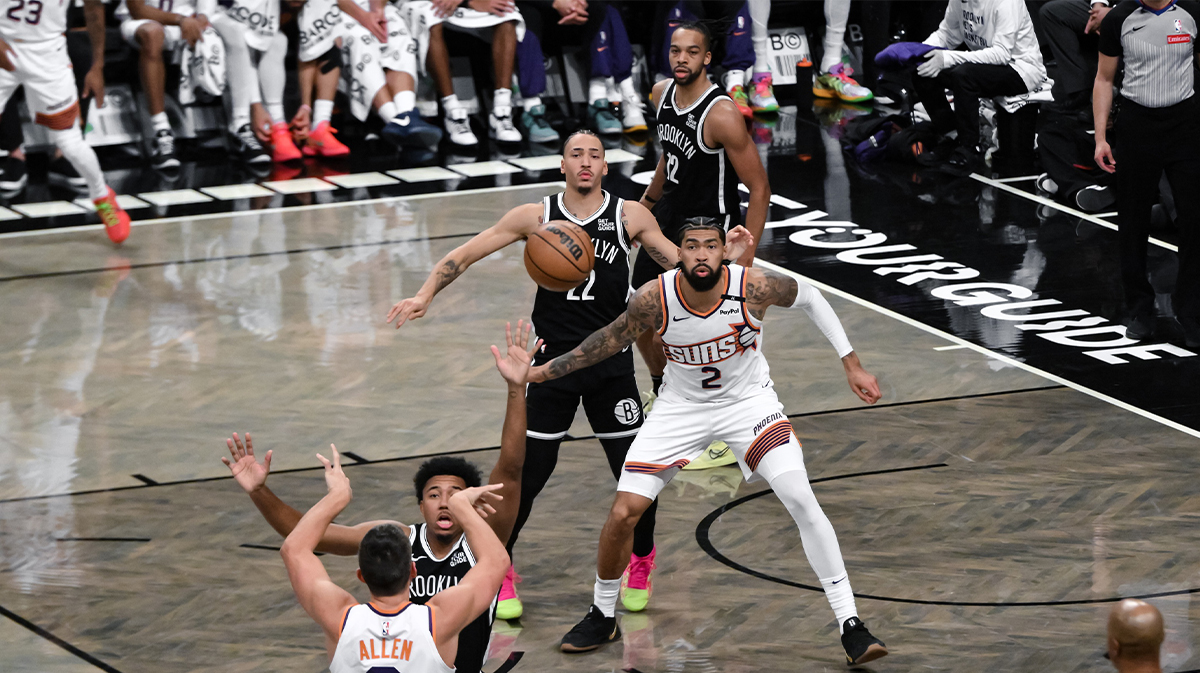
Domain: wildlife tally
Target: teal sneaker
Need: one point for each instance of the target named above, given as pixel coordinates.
(537, 129)
(602, 119)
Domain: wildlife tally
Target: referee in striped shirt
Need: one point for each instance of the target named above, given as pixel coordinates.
(1158, 130)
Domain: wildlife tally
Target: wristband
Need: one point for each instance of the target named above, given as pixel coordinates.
(647, 197)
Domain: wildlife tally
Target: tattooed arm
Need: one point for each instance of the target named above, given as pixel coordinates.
(645, 312)
(767, 288)
(517, 224)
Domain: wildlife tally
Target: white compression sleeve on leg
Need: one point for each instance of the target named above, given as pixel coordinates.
(243, 84)
(816, 533)
(272, 76)
(760, 13)
(83, 158)
(809, 298)
(837, 15)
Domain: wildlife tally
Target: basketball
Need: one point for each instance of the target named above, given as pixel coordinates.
(559, 256)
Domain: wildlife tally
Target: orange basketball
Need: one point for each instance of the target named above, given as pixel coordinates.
(559, 256)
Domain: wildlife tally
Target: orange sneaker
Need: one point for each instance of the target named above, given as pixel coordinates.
(282, 147)
(114, 217)
(322, 143)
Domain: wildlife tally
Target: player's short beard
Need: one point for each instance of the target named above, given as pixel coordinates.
(701, 283)
(692, 76)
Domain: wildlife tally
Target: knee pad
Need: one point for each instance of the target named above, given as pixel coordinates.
(330, 60)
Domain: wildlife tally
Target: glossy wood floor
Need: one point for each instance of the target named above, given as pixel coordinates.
(119, 536)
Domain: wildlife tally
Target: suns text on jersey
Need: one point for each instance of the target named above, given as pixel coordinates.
(721, 348)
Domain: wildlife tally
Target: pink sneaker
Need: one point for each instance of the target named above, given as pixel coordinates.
(509, 604)
(635, 583)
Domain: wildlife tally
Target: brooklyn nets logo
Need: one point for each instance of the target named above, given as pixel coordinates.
(627, 411)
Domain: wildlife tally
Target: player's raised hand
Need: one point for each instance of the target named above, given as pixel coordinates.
(250, 474)
(336, 480)
(480, 498)
(864, 385)
(737, 242)
(6, 53)
(408, 309)
(514, 364)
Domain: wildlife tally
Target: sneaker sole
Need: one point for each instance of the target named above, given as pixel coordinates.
(423, 139)
(14, 186)
(258, 159)
(612, 637)
(875, 651)
(636, 129)
(860, 99)
(824, 93)
(169, 163)
(1094, 201)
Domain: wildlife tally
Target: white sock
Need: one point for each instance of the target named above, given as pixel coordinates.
(837, 15)
(322, 111)
(238, 119)
(83, 158)
(840, 597)
(160, 122)
(450, 103)
(387, 111)
(275, 110)
(605, 596)
(627, 90)
(502, 102)
(405, 101)
(735, 78)
(597, 90)
(532, 102)
(760, 13)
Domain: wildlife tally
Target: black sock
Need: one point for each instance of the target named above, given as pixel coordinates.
(657, 382)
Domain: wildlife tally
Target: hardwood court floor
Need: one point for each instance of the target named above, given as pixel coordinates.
(1043, 497)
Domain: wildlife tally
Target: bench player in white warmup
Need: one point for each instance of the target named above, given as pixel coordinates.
(717, 386)
(33, 54)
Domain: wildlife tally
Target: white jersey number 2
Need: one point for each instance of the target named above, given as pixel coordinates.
(585, 296)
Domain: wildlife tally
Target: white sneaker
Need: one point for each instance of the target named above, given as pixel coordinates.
(458, 128)
(633, 119)
(502, 128)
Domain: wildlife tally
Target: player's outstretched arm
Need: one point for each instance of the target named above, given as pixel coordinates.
(767, 288)
(643, 228)
(323, 600)
(726, 127)
(645, 312)
(516, 224)
(251, 475)
(513, 365)
(459, 605)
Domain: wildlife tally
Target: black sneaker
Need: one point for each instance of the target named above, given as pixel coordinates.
(860, 645)
(963, 162)
(63, 174)
(1095, 199)
(595, 630)
(163, 155)
(247, 148)
(12, 174)
(1191, 332)
(1140, 325)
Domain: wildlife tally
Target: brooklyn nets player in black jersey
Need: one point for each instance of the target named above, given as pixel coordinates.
(439, 548)
(706, 150)
(563, 319)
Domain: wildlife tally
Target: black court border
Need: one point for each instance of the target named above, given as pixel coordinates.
(705, 542)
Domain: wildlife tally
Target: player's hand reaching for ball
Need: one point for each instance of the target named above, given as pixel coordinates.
(250, 474)
(479, 498)
(408, 309)
(861, 381)
(514, 364)
(336, 480)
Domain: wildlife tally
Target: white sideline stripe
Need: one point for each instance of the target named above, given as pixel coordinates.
(126, 201)
(949, 348)
(1023, 178)
(795, 221)
(538, 163)
(620, 156)
(981, 350)
(235, 192)
(483, 169)
(1112, 214)
(1054, 204)
(48, 209)
(357, 180)
(175, 197)
(6, 214)
(299, 186)
(427, 174)
(280, 209)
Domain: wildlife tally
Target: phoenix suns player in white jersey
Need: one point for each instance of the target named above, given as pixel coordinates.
(390, 631)
(717, 386)
(33, 54)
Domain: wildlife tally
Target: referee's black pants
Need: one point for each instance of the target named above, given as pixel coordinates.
(1149, 142)
(969, 82)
